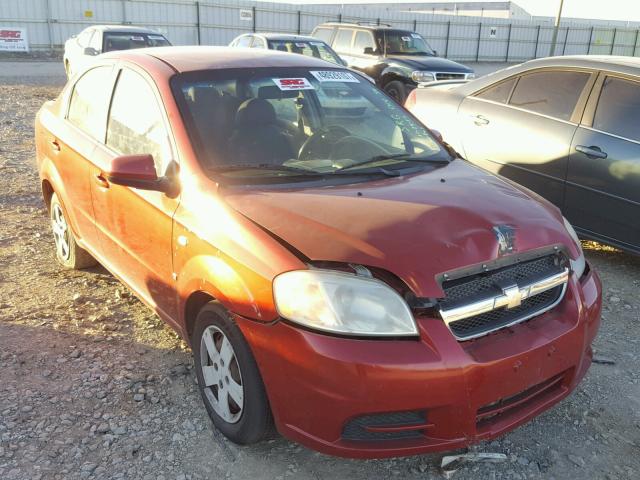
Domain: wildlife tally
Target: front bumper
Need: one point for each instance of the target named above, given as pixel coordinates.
(321, 386)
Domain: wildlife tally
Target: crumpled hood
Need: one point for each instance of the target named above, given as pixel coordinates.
(426, 62)
(417, 226)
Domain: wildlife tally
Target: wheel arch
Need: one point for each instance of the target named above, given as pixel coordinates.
(192, 307)
(47, 193)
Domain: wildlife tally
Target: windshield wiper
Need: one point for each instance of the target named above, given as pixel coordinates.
(397, 156)
(263, 166)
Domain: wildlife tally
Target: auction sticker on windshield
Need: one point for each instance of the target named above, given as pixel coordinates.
(334, 76)
(293, 83)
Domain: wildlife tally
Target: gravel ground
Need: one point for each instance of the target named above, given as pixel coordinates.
(93, 385)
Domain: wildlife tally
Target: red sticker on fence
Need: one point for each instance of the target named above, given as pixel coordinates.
(293, 83)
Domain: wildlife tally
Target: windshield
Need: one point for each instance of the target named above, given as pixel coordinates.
(127, 41)
(309, 48)
(288, 121)
(401, 42)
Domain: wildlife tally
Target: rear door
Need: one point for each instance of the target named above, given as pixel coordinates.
(603, 182)
(522, 127)
(135, 226)
(71, 144)
(364, 42)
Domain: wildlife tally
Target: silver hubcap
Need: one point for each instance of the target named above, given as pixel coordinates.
(222, 379)
(60, 232)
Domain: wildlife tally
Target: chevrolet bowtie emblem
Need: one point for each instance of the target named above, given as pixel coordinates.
(513, 296)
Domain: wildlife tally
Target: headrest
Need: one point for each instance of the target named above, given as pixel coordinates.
(274, 93)
(203, 94)
(255, 111)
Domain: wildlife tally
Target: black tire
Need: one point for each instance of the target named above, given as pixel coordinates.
(255, 422)
(396, 90)
(73, 256)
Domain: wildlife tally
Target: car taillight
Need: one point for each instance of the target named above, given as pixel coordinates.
(410, 102)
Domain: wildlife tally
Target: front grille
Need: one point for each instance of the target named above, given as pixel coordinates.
(495, 319)
(468, 290)
(450, 76)
(358, 429)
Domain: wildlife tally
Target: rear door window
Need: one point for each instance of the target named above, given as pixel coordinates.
(498, 93)
(342, 43)
(244, 41)
(552, 93)
(90, 100)
(618, 110)
(363, 40)
(141, 129)
(323, 34)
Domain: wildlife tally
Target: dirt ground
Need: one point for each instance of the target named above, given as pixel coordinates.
(93, 385)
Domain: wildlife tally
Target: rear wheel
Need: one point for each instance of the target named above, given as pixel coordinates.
(396, 90)
(68, 253)
(228, 378)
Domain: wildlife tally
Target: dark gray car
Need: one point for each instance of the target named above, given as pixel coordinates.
(568, 128)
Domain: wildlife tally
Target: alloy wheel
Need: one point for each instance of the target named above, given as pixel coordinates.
(60, 232)
(223, 386)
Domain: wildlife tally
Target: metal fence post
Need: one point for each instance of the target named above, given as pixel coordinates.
(124, 12)
(506, 58)
(590, 41)
(253, 27)
(415, 25)
(340, 18)
(378, 21)
(446, 43)
(478, 43)
(535, 53)
(299, 21)
(613, 42)
(635, 44)
(49, 29)
(564, 45)
(198, 21)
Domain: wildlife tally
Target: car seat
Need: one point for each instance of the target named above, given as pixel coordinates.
(256, 138)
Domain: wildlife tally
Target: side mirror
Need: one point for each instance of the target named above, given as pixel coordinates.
(139, 171)
(91, 51)
(435, 53)
(438, 135)
(369, 51)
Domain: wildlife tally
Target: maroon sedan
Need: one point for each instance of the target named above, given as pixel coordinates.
(335, 268)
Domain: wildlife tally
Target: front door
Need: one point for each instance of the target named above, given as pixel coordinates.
(522, 128)
(603, 183)
(135, 226)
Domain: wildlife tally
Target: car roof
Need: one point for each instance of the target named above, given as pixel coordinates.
(193, 58)
(365, 26)
(287, 36)
(122, 28)
(604, 62)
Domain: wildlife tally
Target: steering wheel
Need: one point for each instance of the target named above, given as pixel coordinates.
(319, 144)
(356, 148)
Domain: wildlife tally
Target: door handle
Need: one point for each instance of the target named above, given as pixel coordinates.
(480, 120)
(592, 151)
(101, 180)
(55, 145)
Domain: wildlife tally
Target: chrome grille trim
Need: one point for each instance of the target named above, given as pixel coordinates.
(511, 297)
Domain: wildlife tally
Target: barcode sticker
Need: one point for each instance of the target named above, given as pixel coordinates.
(335, 76)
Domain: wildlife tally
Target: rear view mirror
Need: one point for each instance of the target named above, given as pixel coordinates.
(139, 171)
(369, 51)
(91, 51)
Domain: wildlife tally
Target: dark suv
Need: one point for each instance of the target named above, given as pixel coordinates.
(398, 60)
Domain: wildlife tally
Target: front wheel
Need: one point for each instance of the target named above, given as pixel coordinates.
(228, 378)
(68, 252)
(396, 90)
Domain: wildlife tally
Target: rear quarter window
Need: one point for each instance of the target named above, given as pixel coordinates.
(323, 33)
(498, 93)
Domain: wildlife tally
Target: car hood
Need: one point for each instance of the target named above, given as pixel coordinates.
(416, 226)
(426, 62)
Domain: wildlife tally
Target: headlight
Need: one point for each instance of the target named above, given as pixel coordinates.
(577, 265)
(342, 303)
(471, 76)
(422, 77)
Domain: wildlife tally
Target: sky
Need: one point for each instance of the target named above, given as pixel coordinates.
(627, 10)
